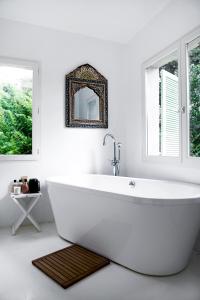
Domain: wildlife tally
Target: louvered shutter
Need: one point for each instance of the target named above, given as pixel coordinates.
(170, 125)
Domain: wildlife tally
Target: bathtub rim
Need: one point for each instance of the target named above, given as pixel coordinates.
(133, 199)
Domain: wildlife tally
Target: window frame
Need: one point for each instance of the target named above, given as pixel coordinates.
(33, 65)
(156, 59)
(181, 47)
(190, 161)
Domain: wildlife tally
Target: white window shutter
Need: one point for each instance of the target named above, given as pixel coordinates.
(170, 125)
(152, 111)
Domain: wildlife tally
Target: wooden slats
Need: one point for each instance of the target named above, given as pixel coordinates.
(70, 264)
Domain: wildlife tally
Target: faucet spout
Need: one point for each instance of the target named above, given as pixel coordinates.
(108, 135)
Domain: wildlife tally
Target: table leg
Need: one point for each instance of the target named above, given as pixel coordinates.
(26, 214)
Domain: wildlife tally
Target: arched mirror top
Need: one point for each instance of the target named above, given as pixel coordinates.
(86, 72)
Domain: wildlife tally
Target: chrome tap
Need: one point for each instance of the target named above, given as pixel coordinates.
(115, 162)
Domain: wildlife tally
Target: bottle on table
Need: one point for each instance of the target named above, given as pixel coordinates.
(24, 187)
(20, 183)
(16, 187)
(15, 183)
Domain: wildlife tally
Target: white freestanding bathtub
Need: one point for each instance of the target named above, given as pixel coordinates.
(150, 227)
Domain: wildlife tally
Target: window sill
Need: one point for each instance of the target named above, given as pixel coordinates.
(186, 162)
(31, 157)
(162, 160)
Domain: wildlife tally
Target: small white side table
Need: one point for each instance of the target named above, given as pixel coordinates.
(26, 212)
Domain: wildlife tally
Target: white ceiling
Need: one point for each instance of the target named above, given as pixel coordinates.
(114, 20)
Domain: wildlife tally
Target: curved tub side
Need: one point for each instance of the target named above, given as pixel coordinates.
(150, 239)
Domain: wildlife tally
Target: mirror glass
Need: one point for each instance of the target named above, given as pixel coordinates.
(86, 104)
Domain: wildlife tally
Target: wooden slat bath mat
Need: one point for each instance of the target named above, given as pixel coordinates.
(71, 264)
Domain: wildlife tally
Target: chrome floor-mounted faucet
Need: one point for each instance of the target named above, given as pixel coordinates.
(115, 162)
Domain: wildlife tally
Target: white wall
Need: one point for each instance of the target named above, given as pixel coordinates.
(175, 21)
(63, 150)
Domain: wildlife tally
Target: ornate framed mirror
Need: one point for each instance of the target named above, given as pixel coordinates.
(86, 98)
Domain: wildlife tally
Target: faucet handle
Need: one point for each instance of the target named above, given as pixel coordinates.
(119, 145)
(113, 162)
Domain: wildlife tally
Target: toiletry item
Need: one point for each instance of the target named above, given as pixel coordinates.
(34, 185)
(23, 178)
(15, 183)
(24, 187)
(20, 183)
(17, 190)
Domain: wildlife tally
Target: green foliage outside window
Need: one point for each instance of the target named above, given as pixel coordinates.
(194, 78)
(15, 120)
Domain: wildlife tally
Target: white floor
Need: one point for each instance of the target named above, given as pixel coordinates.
(19, 280)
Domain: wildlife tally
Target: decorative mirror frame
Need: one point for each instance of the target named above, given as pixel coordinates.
(86, 76)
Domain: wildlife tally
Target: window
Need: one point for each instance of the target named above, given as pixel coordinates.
(18, 109)
(172, 101)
